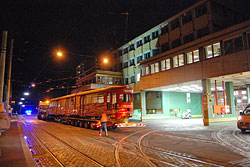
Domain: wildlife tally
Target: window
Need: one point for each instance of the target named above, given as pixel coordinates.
(154, 68)
(193, 57)
(187, 17)
(106, 80)
(110, 80)
(139, 43)
(146, 39)
(147, 70)
(202, 32)
(139, 59)
(125, 64)
(126, 81)
(176, 43)
(156, 51)
(138, 77)
(155, 34)
(178, 60)
(100, 98)
(132, 79)
(117, 81)
(201, 10)
(175, 24)
(132, 62)
(147, 55)
(164, 47)
(124, 98)
(188, 38)
(164, 29)
(233, 45)
(163, 65)
(100, 79)
(125, 50)
(131, 47)
(212, 50)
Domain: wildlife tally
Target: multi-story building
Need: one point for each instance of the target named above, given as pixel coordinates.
(193, 62)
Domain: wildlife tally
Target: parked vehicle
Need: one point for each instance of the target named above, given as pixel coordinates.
(84, 108)
(243, 122)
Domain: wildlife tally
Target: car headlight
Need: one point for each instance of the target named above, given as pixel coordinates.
(239, 117)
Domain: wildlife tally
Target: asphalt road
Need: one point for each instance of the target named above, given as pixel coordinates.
(160, 143)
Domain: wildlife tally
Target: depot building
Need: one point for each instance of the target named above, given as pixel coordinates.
(197, 62)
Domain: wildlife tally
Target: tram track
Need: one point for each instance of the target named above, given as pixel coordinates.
(171, 158)
(71, 150)
(190, 160)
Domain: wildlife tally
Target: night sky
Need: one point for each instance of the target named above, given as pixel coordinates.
(79, 26)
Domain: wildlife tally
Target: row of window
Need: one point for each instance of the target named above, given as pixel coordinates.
(182, 59)
(109, 80)
(164, 47)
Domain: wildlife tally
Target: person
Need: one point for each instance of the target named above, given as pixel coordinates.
(103, 120)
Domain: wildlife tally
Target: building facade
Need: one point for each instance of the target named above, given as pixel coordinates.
(196, 61)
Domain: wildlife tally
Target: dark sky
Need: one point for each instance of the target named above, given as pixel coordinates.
(80, 26)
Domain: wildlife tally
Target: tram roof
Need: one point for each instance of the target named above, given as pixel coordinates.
(88, 92)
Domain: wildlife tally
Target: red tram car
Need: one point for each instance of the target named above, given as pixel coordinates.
(84, 108)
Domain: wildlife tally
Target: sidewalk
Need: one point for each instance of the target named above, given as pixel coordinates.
(13, 150)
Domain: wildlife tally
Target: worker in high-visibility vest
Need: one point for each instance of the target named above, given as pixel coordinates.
(104, 120)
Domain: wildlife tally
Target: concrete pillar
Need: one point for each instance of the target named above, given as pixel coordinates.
(230, 96)
(248, 93)
(143, 103)
(207, 110)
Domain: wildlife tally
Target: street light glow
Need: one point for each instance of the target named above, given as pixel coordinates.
(59, 54)
(26, 93)
(105, 60)
(33, 85)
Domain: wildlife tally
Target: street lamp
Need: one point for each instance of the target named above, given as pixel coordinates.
(26, 93)
(105, 60)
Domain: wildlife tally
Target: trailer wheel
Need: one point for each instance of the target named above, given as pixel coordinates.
(86, 124)
(92, 126)
(81, 124)
(68, 122)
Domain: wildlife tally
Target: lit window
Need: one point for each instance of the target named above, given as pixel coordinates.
(196, 55)
(152, 68)
(178, 60)
(138, 77)
(212, 50)
(193, 57)
(156, 67)
(146, 70)
(163, 65)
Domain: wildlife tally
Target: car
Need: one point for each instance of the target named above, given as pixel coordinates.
(243, 122)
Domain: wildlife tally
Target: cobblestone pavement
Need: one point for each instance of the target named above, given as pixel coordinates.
(161, 143)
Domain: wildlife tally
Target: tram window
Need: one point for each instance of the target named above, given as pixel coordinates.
(124, 98)
(100, 98)
(114, 102)
(71, 101)
(108, 100)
